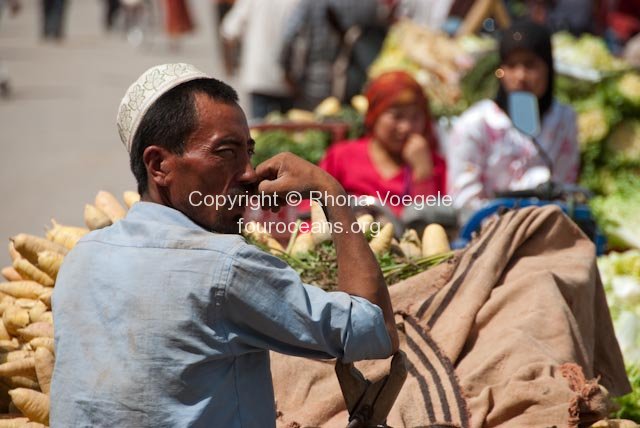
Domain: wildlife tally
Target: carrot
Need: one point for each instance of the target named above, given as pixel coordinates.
(33, 404)
(130, 198)
(24, 303)
(26, 289)
(32, 424)
(381, 243)
(37, 329)
(10, 274)
(6, 302)
(12, 409)
(28, 271)
(263, 237)
(23, 382)
(95, 218)
(300, 116)
(46, 317)
(50, 262)
(410, 244)
(365, 221)
(108, 204)
(303, 244)
(9, 345)
(4, 334)
(16, 422)
(45, 297)
(24, 367)
(29, 246)
(320, 227)
(434, 240)
(330, 106)
(42, 342)
(13, 253)
(15, 355)
(44, 361)
(35, 313)
(67, 236)
(360, 103)
(14, 319)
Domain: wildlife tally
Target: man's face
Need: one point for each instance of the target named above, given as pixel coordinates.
(216, 162)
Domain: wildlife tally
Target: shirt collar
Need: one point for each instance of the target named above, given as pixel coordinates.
(151, 211)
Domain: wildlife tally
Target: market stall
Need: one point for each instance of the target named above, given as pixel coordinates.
(604, 91)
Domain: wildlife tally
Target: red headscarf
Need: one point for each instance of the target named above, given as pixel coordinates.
(397, 88)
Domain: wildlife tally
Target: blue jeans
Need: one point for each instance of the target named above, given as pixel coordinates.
(261, 104)
(53, 17)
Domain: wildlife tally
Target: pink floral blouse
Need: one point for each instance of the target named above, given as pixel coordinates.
(487, 154)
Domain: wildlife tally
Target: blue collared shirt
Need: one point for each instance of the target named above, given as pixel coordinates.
(160, 323)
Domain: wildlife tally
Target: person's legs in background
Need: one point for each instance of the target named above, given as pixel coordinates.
(46, 18)
(261, 104)
(111, 13)
(53, 18)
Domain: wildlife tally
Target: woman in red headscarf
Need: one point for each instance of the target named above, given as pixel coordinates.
(397, 156)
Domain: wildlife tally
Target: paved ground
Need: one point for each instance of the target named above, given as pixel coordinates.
(58, 140)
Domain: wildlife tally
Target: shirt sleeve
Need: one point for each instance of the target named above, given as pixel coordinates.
(466, 164)
(295, 24)
(270, 308)
(567, 164)
(236, 20)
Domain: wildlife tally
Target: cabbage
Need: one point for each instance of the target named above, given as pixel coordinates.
(587, 51)
(620, 274)
(593, 126)
(629, 87)
(623, 144)
(617, 216)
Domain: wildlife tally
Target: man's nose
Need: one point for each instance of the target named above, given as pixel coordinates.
(249, 174)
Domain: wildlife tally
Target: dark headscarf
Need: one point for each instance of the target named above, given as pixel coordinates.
(527, 35)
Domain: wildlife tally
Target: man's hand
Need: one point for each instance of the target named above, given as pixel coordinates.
(286, 172)
(417, 154)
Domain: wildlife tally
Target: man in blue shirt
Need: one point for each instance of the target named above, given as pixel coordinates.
(166, 318)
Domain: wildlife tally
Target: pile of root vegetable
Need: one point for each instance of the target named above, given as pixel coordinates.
(313, 255)
(27, 353)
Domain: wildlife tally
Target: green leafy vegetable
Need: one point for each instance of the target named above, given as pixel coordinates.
(310, 145)
(621, 279)
(617, 215)
(630, 403)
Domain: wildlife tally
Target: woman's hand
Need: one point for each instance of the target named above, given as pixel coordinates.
(417, 154)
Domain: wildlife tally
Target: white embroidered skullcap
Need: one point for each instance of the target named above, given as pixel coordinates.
(141, 95)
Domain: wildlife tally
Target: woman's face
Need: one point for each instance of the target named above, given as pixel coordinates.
(524, 71)
(395, 125)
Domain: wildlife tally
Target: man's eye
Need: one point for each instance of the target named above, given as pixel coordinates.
(251, 152)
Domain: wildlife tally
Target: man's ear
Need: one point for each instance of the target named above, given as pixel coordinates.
(159, 163)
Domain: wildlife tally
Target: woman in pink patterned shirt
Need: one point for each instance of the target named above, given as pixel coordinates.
(486, 154)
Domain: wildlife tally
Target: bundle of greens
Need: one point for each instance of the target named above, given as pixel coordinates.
(313, 254)
(319, 267)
